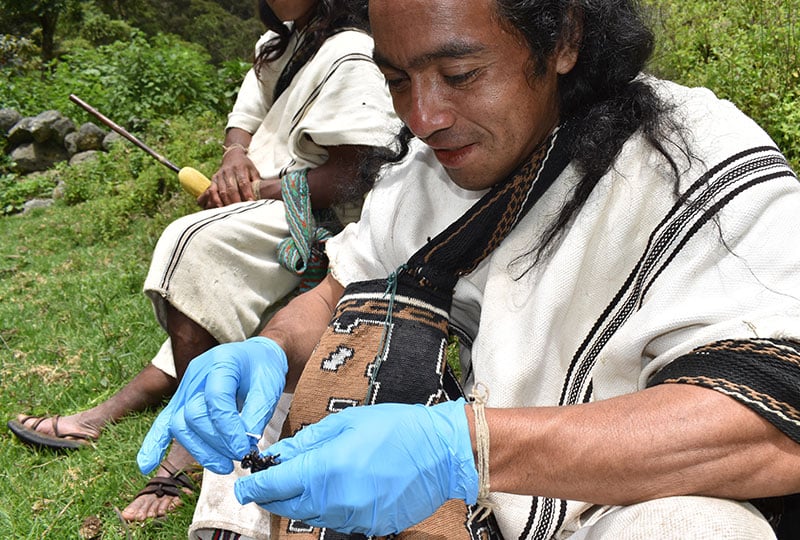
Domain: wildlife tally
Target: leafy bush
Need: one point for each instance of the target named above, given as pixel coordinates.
(15, 191)
(226, 29)
(100, 29)
(146, 79)
(230, 76)
(137, 79)
(18, 54)
(212, 27)
(746, 51)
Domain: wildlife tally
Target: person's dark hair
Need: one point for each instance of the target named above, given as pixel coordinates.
(329, 18)
(602, 93)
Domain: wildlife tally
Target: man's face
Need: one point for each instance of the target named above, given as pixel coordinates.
(461, 82)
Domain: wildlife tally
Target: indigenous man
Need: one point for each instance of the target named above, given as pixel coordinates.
(633, 340)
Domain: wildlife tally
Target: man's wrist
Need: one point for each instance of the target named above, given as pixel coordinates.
(233, 147)
(268, 188)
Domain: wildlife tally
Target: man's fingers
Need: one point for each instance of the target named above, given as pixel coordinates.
(203, 427)
(257, 410)
(282, 482)
(205, 454)
(220, 401)
(155, 443)
(309, 438)
(245, 184)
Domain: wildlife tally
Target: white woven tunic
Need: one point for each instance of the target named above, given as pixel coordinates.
(636, 280)
(219, 267)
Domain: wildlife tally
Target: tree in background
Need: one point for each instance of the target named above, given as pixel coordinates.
(29, 16)
(225, 28)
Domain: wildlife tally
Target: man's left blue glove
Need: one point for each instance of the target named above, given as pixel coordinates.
(204, 416)
(374, 470)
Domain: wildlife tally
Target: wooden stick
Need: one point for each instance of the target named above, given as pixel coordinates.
(122, 131)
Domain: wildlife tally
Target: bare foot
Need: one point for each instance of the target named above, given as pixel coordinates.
(147, 389)
(73, 427)
(159, 502)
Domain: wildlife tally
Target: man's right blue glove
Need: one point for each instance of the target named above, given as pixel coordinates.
(204, 416)
(374, 470)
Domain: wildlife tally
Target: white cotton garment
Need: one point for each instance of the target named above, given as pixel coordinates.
(637, 279)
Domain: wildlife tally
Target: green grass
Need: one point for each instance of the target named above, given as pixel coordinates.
(74, 328)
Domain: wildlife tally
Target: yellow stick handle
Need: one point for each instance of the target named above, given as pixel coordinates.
(193, 181)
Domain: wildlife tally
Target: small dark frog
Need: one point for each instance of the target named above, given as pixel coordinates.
(256, 462)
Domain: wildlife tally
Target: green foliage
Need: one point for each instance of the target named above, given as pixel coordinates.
(126, 80)
(230, 76)
(18, 54)
(126, 184)
(227, 29)
(41, 14)
(14, 191)
(746, 51)
(161, 77)
(100, 29)
(208, 32)
(53, 25)
(32, 10)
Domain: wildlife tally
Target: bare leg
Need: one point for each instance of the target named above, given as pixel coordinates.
(147, 389)
(188, 341)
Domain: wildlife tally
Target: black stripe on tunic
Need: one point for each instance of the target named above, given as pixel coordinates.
(762, 374)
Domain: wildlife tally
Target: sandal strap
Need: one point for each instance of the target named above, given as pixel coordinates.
(37, 421)
(161, 486)
(172, 485)
(56, 418)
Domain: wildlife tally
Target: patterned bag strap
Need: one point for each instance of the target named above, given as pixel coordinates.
(459, 249)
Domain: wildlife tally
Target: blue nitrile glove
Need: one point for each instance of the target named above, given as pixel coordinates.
(203, 414)
(373, 470)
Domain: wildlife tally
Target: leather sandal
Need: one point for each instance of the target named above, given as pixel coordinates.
(57, 441)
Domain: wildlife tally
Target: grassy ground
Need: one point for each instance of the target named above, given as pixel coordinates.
(74, 327)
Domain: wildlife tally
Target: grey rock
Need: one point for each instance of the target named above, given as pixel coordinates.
(111, 139)
(8, 117)
(33, 204)
(61, 128)
(20, 132)
(59, 190)
(41, 126)
(71, 143)
(90, 137)
(32, 157)
(81, 157)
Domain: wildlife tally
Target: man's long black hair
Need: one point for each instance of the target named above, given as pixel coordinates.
(329, 18)
(602, 93)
